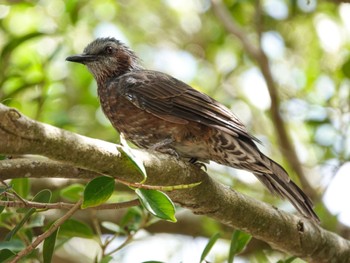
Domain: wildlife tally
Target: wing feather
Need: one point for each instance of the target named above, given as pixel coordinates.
(174, 101)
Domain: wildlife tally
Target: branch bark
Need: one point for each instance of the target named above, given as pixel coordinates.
(283, 231)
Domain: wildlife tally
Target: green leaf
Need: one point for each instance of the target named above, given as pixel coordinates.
(209, 246)
(238, 242)
(5, 217)
(21, 186)
(346, 68)
(15, 42)
(260, 256)
(4, 189)
(75, 228)
(98, 191)
(4, 198)
(6, 254)
(44, 196)
(72, 192)
(288, 260)
(49, 247)
(20, 224)
(106, 259)
(157, 203)
(38, 220)
(132, 218)
(112, 227)
(131, 160)
(13, 245)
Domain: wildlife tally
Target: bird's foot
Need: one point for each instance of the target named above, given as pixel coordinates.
(169, 151)
(163, 147)
(197, 163)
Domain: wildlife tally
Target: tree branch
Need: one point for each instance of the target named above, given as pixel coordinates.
(63, 205)
(260, 57)
(30, 167)
(283, 231)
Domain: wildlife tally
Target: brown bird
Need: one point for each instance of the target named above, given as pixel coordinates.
(158, 112)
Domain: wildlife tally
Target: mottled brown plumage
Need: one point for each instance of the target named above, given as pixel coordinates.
(156, 111)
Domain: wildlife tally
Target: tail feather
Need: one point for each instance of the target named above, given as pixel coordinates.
(242, 153)
(278, 182)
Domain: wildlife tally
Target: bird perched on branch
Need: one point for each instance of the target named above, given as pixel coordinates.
(156, 111)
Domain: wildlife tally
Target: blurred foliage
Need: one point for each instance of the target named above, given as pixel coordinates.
(307, 43)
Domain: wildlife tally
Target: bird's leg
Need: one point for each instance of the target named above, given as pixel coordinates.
(163, 147)
(193, 160)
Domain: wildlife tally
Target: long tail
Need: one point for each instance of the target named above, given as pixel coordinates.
(242, 153)
(278, 182)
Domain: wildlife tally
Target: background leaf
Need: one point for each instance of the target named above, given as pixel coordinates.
(72, 192)
(239, 241)
(75, 228)
(21, 186)
(98, 191)
(13, 245)
(26, 217)
(6, 254)
(49, 247)
(44, 196)
(209, 246)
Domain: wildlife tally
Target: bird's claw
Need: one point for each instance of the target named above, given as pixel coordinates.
(164, 147)
(197, 163)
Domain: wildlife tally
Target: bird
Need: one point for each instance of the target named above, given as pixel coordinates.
(158, 112)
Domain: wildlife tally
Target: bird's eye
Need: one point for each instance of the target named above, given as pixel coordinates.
(109, 50)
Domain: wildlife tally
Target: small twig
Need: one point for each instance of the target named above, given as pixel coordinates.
(62, 205)
(158, 187)
(130, 236)
(108, 241)
(126, 241)
(46, 234)
(225, 17)
(120, 205)
(258, 20)
(96, 226)
(13, 192)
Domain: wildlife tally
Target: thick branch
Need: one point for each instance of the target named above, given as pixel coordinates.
(41, 168)
(260, 57)
(286, 232)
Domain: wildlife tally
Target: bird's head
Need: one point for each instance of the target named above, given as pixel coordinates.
(106, 58)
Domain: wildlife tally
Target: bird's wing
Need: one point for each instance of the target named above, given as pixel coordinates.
(173, 100)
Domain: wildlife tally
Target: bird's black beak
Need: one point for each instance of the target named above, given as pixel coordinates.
(82, 58)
